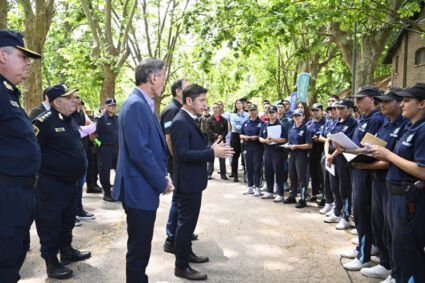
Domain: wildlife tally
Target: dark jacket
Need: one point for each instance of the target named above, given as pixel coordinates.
(215, 129)
(191, 155)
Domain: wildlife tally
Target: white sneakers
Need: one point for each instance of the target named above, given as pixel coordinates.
(257, 192)
(356, 265)
(378, 271)
(249, 191)
(278, 198)
(389, 279)
(354, 232)
(350, 254)
(326, 208)
(342, 225)
(267, 195)
(332, 218)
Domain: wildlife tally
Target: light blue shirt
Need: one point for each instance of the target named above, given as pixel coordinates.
(237, 120)
(149, 99)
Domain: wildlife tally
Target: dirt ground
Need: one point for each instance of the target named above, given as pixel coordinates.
(246, 238)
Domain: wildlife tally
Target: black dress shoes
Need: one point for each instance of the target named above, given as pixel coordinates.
(189, 273)
(193, 258)
(224, 177)
(56, 270)
(169, 246)
(69, 254)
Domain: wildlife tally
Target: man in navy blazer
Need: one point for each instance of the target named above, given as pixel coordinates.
(142, 165)
(191, 155)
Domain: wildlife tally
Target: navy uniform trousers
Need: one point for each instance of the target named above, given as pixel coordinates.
(342, 187)
(380, 217)
(273, 167)
(327, 191)
(408, 236)
(14, 231)
(254, 163)
(362, 210)
(298, 175)
(107, 156)
(316, 173)
(56, 211)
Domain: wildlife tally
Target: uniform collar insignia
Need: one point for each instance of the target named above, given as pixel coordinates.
(8, 85)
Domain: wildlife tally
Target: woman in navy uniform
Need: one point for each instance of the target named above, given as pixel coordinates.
(253, 150)
(341, 181)
(300, 143)
(273, 155)
(327, 191)
(391, 131)
(405, 182)
(237, 118)
(370, 122)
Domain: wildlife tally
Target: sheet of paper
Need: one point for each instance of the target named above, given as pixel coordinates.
(286, 145)
(274, 132)
(349, 156)
(330, 169)
(87, 130)
(370, 139)
(344, 141)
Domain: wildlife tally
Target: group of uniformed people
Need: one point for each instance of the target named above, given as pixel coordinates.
(44, 165)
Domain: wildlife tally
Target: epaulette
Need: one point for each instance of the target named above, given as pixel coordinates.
(44, 116)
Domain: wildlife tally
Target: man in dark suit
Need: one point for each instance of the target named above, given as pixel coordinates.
(142, 165)
(191, 155)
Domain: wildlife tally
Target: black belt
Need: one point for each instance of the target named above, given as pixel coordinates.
(403, 189)
(68, 180)
(27, 182)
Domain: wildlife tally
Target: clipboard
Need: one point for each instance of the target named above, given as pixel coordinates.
(370, 139)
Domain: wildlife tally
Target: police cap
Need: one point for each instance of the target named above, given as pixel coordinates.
(110, 101)
(59, 90)
(367, 91)
(16, 39)
(272, 108)
(417, 91)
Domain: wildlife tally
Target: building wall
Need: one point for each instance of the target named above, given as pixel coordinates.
(414, 73)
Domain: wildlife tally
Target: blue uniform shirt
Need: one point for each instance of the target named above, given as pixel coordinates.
(264, 134)
(62, 151)
(411, 146)
(299, 135)
(252, 128)
(326, 129)
(316, 127)
(392, 132)
(107, 129)
(368, 124)
(348, 126)
(236, 120)
(168, 114)
(20, 154)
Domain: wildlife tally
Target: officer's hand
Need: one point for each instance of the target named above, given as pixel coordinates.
(315, 138)
(222, 150)
(329, 160)
(380, 152)
(292, 147)
(339, 149)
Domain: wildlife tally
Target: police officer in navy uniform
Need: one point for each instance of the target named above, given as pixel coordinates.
(370, 122)
(315, 126)
(273, 155)
(63, 164)
(20, 157)
(300, 143)
(390, 132)
(253, 150)
(405, 182)
(340, 183)
(107, 154)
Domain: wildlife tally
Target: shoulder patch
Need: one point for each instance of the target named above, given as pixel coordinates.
(44, 116)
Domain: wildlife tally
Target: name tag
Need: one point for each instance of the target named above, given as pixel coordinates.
(14, 103)
(108, 124)
(58, 130)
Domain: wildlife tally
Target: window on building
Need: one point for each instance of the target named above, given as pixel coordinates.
(396, 65)
(420, 56)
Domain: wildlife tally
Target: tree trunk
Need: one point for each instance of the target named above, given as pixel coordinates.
(3, 14)
(108, 84)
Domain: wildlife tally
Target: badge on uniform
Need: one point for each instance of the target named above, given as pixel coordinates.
(58, 130)
(363, 127)
(395, 133)
(301, 133)
(167, 124)
(7, 85)
(14, 103)
(408, 140)
(345, 128)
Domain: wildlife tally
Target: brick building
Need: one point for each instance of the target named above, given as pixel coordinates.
(407, 54)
